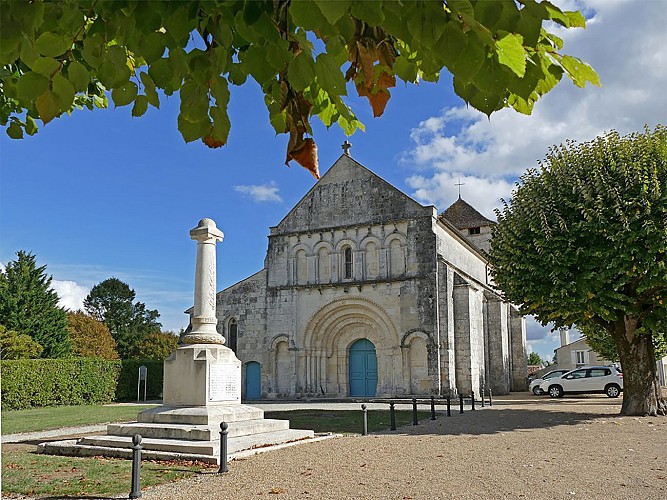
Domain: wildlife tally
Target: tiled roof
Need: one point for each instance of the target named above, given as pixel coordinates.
(464, 216)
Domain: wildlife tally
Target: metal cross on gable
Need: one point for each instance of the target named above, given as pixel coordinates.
(459, 184)
(346, 147)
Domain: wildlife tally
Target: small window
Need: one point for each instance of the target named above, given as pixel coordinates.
(347, 256)
(581, 357)
(232, 341)
(474, 230)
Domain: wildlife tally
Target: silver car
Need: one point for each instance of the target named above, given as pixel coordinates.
(534, 386)
(586, 380)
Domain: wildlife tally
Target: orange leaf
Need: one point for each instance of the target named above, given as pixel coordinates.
(386, 81)
(212, 142)
(367, 63)
(379, 102)
(306, 156)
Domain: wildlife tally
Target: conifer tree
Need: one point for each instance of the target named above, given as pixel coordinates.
(29, 305)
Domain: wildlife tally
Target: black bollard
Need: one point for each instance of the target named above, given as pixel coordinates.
(414, 412)
(460, 403)
(449, 406)
(472, 399)
(432, 408)
(490, 398)
(224, 430)
(482, 398)
(136, 467)
(364, 431)
(392, 416)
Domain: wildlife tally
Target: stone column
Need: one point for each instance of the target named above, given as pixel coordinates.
(204, 319)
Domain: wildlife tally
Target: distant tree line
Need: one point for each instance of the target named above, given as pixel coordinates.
(113, 325)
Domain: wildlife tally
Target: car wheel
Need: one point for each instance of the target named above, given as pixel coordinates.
(612, 390)
(536, 390)
(556, 391)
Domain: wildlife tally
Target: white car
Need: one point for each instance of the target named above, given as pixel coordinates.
(534, 386)
(586, 380)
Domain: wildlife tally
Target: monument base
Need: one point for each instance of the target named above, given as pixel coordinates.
(202, 389)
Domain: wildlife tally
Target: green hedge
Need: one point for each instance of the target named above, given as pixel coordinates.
(28, 383)
(126, 390)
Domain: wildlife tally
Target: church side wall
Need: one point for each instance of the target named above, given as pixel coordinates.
(459, 256)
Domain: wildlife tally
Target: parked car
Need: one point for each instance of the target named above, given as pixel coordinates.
(534, 386)
(586, 380)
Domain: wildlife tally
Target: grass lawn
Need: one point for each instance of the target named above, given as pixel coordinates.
(25, 472)
(41, 419)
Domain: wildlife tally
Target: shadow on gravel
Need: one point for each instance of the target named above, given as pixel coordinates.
(499, 420)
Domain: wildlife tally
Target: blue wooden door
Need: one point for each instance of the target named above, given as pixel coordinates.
(253, 380)
(363, 368)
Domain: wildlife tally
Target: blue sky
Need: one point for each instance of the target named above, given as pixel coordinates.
(102, 194)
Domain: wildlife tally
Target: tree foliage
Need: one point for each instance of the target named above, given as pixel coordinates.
(90, 338)
(59, 56)
(14, 345)
(584, 241)
(155, 345)
(29, 305)
(534, 359)
(112, 302)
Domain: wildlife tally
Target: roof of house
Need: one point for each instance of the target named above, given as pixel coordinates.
(463, 216)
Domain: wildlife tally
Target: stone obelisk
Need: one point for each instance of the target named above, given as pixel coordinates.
(203, 372)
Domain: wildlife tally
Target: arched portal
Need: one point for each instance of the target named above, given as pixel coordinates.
(363, 363)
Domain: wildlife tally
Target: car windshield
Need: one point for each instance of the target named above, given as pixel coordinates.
(553, 374)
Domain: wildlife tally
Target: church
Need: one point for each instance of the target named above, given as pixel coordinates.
(367, 293)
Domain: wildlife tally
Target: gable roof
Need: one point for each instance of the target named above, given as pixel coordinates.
(349, 194)
(463, 216)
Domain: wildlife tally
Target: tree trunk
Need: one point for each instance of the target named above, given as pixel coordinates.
(642, 394)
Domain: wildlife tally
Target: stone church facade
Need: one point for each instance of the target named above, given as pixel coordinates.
(365, 292)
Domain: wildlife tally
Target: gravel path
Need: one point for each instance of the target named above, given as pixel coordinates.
(574, 448)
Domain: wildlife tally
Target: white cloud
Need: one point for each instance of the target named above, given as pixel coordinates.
(70, 293)
(632, 65)
(260, 193)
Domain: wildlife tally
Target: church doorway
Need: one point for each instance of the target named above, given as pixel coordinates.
(253, 380)
(363, 365)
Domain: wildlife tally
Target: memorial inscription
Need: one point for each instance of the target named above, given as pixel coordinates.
(224, 383)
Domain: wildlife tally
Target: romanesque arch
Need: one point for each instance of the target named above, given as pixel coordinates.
(323, 362)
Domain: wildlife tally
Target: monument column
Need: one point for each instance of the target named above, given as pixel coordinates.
(204, 319)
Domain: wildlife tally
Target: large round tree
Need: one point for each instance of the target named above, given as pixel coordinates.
(584, 241)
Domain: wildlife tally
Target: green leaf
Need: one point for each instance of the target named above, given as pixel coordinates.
(307, 15)
(576, 18)
(450, 45)
(45, 66)
(149, 89)
(471, 59)
(301, 71)
(64, 91)
(405, 69)
(333, 11)
(191, 131)
(278, 121)
(30, 125)
(255, 60)
(47, 106)
(161, 72)
(511, 53)
(579, 72)
(194, 101)
(122, 96)
(153, 46)
(140, 105)
(78, 75)
(28, 53)
(51, 45)
(31, 85)
(220, 91)
(370, 12)
(221, 124)
(14, 131)
(329, 75)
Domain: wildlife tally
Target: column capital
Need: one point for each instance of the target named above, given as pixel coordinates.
(206, 231)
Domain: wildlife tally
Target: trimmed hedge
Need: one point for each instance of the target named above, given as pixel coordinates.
(126, 390)
(28, 383)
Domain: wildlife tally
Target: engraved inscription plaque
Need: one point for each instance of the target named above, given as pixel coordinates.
(224, 383)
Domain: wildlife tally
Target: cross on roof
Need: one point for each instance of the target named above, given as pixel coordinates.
(459, 184)
(346, 147)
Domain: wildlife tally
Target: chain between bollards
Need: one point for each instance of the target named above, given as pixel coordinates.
(432, 407)
(364, 431)
(224, 431)
(472, 399)
(392, 416)
(449, 406)
(136, 466)
(414, 412)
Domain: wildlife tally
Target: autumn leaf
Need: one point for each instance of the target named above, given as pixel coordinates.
(305, 154)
